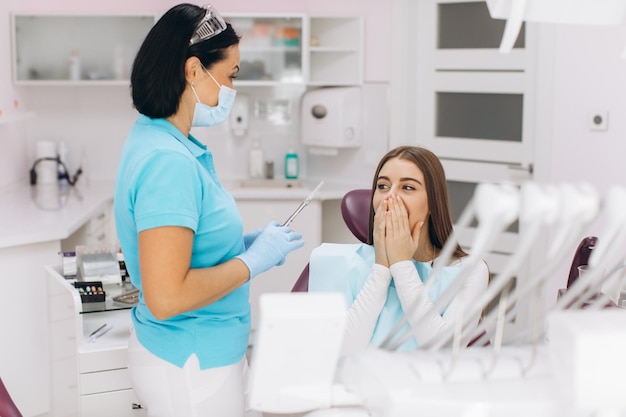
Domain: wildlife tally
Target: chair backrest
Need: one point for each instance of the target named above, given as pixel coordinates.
(355, 210)
(581, 257)
(7, 406)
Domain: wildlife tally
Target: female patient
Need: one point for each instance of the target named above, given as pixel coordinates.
(409, 224)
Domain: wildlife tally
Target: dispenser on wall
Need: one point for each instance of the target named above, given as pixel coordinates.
(331, 119)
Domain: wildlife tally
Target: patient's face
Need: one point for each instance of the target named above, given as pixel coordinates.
(401, 177)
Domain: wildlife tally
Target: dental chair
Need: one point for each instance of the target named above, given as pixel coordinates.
(355, 210)
(7, 406)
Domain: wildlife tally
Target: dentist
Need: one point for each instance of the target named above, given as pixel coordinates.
(180, 230)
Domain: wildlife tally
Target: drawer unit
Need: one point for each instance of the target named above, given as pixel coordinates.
(89, 378)
(121, 403)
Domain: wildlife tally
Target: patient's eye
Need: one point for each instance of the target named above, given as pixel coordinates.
(382, 186)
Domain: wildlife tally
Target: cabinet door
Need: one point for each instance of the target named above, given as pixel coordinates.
(121, 403)
(271, 49)
(336, 50)
(62, 49)
(474, 103)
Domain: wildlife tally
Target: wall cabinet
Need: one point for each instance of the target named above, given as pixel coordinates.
(99, 49)
(72, 49)
(88, 378)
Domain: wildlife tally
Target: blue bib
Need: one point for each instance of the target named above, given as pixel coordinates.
(345, 268)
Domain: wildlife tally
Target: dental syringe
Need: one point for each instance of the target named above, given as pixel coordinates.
(302, 205)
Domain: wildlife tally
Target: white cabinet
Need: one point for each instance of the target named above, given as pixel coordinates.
(271, 48)
(475, 103)
(299, 49)
(88, 378)
(71, 49)
(335, 50)
(99, 231)
(276, 49)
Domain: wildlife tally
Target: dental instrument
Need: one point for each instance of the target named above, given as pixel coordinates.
(303, 204)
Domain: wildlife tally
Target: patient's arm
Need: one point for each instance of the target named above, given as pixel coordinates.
(364, 311)
(426, 323)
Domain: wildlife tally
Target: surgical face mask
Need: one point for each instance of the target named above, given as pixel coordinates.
(205, 115)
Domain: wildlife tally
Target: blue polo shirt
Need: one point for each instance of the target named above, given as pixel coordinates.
(167, 179)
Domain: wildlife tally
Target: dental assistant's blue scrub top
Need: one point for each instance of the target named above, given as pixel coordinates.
(167, 179)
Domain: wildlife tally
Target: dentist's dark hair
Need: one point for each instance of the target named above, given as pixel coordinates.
(440, 219)
(157, 78)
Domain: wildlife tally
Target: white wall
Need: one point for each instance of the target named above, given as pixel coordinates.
(589, 76)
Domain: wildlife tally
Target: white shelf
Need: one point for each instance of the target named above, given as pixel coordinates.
(276, 49)
(11, 117)
(106, 45)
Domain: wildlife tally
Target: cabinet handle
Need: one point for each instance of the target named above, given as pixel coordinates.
(528, 168)
(136, 406)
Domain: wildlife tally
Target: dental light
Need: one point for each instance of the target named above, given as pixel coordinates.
(590, 12)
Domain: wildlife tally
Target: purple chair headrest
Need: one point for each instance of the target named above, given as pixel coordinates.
(355, 209)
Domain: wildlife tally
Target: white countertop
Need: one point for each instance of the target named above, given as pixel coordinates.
(329, 191)
(42, 213)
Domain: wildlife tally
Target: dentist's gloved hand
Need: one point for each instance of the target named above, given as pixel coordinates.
(270, 248)
(249, 237)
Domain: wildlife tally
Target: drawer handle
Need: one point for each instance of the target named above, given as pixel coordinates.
(136, 406)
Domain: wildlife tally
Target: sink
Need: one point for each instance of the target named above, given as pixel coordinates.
(266, 183)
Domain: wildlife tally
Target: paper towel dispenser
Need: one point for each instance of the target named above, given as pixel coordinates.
(332, 118)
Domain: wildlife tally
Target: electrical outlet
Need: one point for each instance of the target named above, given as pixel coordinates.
(599, 120)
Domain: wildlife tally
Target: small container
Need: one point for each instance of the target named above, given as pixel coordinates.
(292, 165)
(255, 168)
(269, 170)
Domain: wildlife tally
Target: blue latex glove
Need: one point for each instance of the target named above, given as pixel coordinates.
(249, 237)
(270, 248)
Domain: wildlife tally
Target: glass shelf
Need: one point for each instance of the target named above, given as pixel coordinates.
(111, 290)
(46, 46)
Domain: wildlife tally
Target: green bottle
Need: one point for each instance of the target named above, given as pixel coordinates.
(291, 165)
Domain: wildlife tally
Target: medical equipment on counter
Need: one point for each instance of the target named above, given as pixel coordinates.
(303, 204)
(517, 375)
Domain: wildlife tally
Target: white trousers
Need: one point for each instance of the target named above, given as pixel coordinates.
(166, 390)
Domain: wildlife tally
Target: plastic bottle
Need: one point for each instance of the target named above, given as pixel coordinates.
(292, 165)
(75, 69)
(255, 168)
